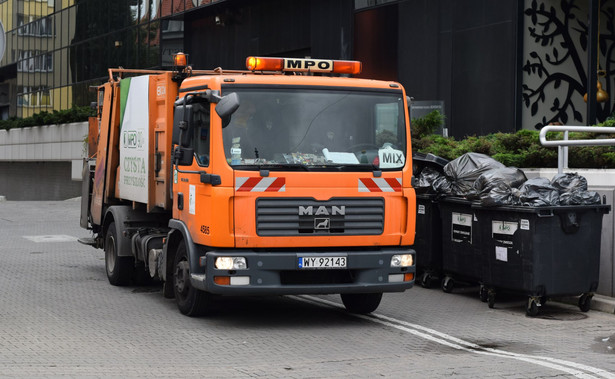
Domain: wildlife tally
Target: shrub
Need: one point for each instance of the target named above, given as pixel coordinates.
(75, 114)
(427, 125)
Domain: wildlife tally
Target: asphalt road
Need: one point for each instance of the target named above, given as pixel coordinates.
(59, 317)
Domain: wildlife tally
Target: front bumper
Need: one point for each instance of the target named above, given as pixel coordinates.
(277, 273)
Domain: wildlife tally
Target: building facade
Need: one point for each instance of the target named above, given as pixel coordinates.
(491, 65)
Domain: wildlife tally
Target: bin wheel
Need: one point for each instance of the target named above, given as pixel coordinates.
(585, 302)
(483, 293)
(426, 280)
(491, 299)
(532, 307)
(447, 284)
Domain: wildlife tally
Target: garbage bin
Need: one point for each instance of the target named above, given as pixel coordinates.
(428, 237)
(461, 255)
(541, 251)
(428, 240)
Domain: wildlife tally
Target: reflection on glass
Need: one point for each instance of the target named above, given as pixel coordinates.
(316, 129)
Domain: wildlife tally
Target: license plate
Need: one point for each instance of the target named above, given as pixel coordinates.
(322, 262)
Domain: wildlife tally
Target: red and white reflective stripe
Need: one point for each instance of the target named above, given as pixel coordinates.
(380, 185)
(255, 184)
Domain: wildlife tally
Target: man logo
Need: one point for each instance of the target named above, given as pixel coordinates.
(321, 223)
(322, 210)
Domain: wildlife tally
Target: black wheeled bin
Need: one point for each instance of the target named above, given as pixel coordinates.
(428, 239)
(541, 251)
(461, 255)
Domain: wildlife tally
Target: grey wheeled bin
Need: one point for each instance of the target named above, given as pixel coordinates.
(428, 239)
(541, 251)
(461, 256)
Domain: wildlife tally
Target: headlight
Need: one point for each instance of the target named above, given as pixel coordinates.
(231, 263)
(402, 260)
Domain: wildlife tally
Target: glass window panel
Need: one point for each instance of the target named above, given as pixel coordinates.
(57, 73)
(154, 45)
(154, 9)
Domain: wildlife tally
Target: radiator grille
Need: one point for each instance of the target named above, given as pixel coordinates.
(306, 216)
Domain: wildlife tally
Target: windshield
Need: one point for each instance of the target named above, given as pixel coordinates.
(307, 129)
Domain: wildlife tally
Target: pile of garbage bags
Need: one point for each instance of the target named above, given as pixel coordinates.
(481, 178)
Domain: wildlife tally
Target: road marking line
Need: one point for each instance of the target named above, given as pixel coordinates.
(572, 368)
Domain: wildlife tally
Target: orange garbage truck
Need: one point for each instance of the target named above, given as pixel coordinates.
(290, 177)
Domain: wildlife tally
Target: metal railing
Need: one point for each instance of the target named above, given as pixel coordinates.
(562, 145)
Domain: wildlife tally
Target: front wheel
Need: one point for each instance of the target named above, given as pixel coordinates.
(190, 301)
(361, 303)
(119, 269)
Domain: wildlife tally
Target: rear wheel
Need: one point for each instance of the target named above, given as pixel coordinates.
(361, 303)
(119, 269)
(190, 301)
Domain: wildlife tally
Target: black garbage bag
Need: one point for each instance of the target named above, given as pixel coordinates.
(500, 193)
(443, 185)
(463, 171)
(579, 198)
(572, 188)
(538, 192)
(569, 182)
(502, 178)
(428, 177)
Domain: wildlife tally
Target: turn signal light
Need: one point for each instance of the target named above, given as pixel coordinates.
(222, 280)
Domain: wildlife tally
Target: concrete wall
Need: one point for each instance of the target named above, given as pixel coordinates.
(603, 182)
(43, 162)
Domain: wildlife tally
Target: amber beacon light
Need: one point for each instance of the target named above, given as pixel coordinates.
(303, 65)
(180, 60)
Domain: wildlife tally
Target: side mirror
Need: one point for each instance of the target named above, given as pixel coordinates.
(226, 107)
(183, 156)
(181, 125)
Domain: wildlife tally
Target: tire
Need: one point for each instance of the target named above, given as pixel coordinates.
(532, 308)
(190, 301)
(585, 302)
(448, 284)
(361, 303)
(119, 269)
(491, 299)
(426, 280)
(483, 293)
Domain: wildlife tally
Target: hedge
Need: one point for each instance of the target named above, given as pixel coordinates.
(520, 149)
(75, 114)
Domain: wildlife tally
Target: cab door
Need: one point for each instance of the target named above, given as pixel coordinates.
(192, 193)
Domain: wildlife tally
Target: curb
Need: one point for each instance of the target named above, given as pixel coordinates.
(599, 303)
(603, 304)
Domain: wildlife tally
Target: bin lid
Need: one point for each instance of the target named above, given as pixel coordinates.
(422, 160)
(555, 209)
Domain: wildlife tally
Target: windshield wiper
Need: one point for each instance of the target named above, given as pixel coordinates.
(273, 166)
(352, 167)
